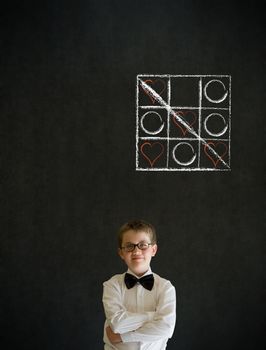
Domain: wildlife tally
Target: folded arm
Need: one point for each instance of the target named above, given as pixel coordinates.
(163, 322)
(119, 319)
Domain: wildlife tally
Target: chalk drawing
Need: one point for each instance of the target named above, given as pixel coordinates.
(188, 116)
(215, 145)
(158, 85)
(212, 115)
(152, 114)
(190, 161)
(152, 151)
(195, 135)
(217, 82)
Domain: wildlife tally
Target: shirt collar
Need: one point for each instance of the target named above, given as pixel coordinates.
(145, 274)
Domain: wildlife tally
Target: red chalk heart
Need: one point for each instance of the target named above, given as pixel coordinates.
(157, 85)
(219, 147)
(188, 116)
(152, 151)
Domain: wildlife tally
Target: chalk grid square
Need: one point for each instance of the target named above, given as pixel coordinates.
(183, 122)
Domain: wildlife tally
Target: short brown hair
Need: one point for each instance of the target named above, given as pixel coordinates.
(137, 225)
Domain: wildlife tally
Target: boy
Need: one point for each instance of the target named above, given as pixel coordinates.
(139, 305)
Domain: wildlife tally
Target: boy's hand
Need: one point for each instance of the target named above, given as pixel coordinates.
(113, 337)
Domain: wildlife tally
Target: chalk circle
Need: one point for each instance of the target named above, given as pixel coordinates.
(193, 154)
(213, 82)
(212, 115)
(154, 132)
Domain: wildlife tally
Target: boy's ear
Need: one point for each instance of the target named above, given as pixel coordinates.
(120, 253)
(154, 249)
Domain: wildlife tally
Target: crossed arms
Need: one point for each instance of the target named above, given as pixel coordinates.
(146, 326)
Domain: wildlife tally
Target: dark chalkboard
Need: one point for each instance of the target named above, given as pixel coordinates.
(69, 179)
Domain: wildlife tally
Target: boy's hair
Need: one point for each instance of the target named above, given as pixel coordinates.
(137, 225)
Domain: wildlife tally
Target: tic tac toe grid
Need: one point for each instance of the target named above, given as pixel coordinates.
(183, 122)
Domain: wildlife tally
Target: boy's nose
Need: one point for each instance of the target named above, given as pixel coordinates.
(136, 250)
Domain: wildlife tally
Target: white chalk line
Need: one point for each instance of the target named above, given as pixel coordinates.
(177, 138)
(183, 76)
(230, 111)
(137, 123)
(199, 124)
(168, 118)
(182, 169)
(160, 100)
(185, 107)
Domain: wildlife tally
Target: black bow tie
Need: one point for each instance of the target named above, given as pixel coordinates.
(146, 281)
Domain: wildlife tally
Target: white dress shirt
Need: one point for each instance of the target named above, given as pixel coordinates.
(144, 319)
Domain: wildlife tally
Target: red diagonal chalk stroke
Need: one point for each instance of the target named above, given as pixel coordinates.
(158, 85)
(150, 146)
(215, 145)
(185, 115)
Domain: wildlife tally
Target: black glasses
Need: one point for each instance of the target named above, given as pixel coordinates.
(130, 247)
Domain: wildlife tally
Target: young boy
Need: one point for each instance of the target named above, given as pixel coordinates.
(140, 306)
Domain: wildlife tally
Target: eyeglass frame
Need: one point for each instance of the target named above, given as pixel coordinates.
(137, 245)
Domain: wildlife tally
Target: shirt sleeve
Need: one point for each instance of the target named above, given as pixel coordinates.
(120, 320)
(163, 323)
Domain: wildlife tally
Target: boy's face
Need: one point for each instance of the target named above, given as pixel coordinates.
(138, 261)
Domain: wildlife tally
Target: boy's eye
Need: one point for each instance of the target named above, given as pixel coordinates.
(143, 245)
(129, 247)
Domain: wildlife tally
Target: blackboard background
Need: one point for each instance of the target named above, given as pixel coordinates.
(67, 143)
